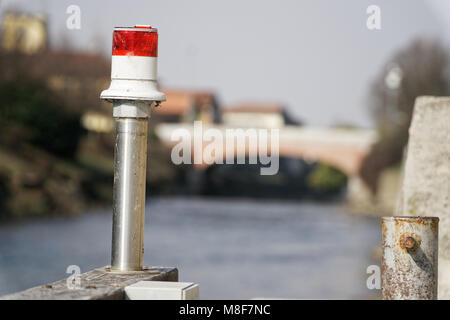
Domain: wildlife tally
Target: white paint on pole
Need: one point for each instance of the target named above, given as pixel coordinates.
(132, 67)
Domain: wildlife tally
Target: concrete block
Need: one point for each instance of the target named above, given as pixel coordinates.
(426, 182)
(98, 284)
(162, 290)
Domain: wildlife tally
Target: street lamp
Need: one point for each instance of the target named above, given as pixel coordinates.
(393, 82)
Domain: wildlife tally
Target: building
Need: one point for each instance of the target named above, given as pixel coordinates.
(188, 106)
(24, 32)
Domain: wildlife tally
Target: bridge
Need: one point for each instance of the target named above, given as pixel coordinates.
(341, 148)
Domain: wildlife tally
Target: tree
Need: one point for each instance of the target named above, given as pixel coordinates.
(419, 69)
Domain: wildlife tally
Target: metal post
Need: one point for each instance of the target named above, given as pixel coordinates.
(410, 258)
(133, 91)
(129, 194)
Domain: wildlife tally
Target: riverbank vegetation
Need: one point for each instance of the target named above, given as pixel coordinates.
(49, 163)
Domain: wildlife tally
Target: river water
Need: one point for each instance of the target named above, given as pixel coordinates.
(233, 248)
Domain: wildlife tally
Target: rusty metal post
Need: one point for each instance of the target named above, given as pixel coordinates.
(410, 258)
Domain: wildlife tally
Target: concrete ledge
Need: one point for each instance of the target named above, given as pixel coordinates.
(98, 284)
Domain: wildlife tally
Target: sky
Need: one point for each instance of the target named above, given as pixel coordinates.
(316, 57)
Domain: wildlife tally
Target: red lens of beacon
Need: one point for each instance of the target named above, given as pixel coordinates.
(135, 43)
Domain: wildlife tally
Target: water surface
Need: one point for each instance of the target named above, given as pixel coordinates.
(235, 249)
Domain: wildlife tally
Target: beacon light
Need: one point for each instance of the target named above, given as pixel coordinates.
(133, 92)
(134, 65)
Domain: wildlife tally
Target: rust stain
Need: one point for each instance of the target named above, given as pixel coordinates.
(409, 242)
(435, 227)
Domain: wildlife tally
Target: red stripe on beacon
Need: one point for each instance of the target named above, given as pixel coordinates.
(134, 65)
